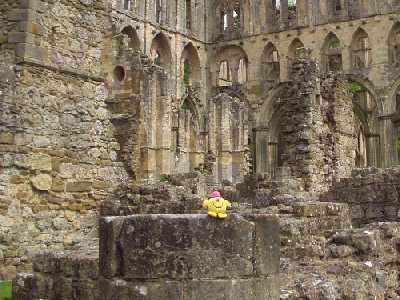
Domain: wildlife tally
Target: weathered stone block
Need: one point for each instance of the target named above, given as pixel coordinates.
(6, 138)
(42, 182)
(119, 289)
(78, 186)
(310, 209)
(141, 249)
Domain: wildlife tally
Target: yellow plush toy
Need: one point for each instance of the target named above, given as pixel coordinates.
(216, 205)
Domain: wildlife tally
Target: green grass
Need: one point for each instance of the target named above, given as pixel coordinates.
(5, 290)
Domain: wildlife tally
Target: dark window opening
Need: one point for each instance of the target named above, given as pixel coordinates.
(292, 12)
(186, 72)
(188, 14)
(158, 11)
(119, 73)
(127, 4)
(338, 5)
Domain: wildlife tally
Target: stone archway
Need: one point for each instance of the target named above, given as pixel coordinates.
(267, 134)
(367, 126)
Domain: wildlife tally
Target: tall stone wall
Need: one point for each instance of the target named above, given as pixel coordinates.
(318, 141)
(59, 151)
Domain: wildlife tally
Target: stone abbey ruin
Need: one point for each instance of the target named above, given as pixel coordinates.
(119, 116)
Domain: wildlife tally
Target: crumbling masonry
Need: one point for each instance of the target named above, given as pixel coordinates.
(140, 107)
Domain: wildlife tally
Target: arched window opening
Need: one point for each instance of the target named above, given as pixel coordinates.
(332, 54)
(361, 150)
(188, 144)
(361, 50)
(130, 39)
(127, 4)
(188, 14)
(158, 10)
(157, 59)
(224, 21)
(242, 71)
(338, 5)
(292, 12)
(296, 51)
(396, 125)
(161, 52)
(190, 66)
(368, 152)
(394, 46)
(230, 17)
(233, 64)
(236, 17)
(235, 126)
(225, 78)
(186, 72)
(270, 63)
(119, 74)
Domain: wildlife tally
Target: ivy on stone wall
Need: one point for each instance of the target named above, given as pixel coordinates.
(355, 88)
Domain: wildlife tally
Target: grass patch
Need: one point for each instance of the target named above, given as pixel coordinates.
(5, 290)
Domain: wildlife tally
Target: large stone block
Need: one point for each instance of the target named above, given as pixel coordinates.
(143, 249)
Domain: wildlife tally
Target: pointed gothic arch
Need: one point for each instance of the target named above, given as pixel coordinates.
(190, 65)
(161, 51)
(360, 50)
(331, 56)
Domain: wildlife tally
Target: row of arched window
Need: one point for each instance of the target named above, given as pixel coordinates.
(159, 7)
(331, 57)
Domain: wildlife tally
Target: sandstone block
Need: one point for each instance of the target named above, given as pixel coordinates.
(311, 209)
(42, 182)
(188, 246)
(78, 186)
(6, 138)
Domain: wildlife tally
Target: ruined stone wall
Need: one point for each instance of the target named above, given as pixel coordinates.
(59, 158)
(372, 194)
(341, 140)
(165, 257)
(60, 276)
(317, 137)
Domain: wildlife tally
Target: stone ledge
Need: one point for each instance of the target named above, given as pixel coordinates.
(186, 246)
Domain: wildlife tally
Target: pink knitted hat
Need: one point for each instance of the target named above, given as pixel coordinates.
(215, 194)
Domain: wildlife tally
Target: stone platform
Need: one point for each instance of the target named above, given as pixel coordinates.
(188, 256)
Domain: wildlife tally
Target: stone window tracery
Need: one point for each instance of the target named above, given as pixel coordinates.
(270, 63)
(188, 14)
(242, 71)
(332, 54)
(292, 13)
(158, 10)
(160, 51)
(127, 4)
(361, 50)
(224, 74)
(230, 17)
(190, 68)
(394, 46)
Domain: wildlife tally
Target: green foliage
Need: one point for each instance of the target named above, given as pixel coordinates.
(334, 43)
(185, 106)
(5, 290)
(398, 145)
(164, 178)
(355, 88)
(157, 59)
